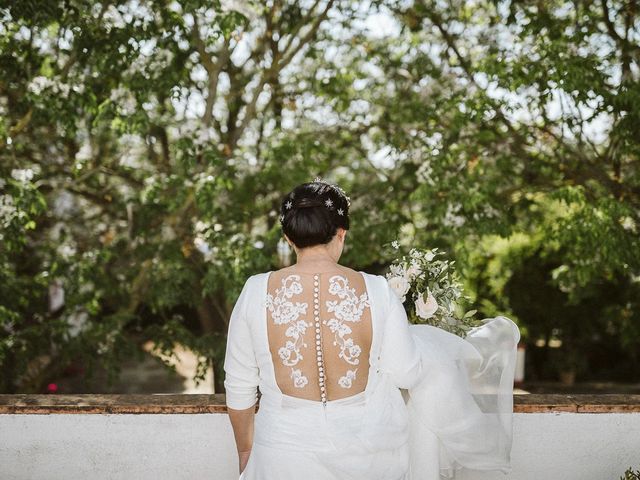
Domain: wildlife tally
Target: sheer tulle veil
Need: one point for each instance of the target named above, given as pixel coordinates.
(461, 411)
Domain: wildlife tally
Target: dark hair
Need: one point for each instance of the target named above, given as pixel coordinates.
(312, 213)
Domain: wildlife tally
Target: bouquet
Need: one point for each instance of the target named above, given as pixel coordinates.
(430, 290)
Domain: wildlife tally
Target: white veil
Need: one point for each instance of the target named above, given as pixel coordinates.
(462, 410)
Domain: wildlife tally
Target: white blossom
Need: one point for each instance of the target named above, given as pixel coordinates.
(8, 212)
(424, 174)
(84, 153)
(41, 83)
(397, 270)
(66, 250)
(113, 18)
(426, 308)
(248, 9)
(201, 226)
(124, 99)
(204, 248)
(78, 322)
(38, 84)
(451, 219)
(400, 286)
(628, 223)
(22, 175)
(414, 270)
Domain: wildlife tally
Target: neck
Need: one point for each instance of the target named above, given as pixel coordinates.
(310, 256)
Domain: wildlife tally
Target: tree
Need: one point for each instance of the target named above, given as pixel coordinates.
(141, 126)
(146, 147)
(521, 122)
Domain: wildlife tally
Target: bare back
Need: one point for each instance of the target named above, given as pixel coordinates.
(320, 332)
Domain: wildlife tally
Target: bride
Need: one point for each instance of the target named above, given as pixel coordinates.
(349, 389)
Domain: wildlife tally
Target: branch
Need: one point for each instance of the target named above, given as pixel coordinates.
(611, 28)
(66, 68)
(213, 68)
(300, 24)
(589, 170)
(271, 74)
(623, 42)
(289, 53)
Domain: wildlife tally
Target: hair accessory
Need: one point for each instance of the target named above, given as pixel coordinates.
(307, 203)
(335, 187)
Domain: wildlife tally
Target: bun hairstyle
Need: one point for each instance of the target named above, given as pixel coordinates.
(312, 213)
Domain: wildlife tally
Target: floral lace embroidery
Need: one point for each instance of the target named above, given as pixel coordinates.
(283, 311)
(348, 309)
(299, 380)
(345, 381)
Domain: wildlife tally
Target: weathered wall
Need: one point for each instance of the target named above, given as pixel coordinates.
(555, 438)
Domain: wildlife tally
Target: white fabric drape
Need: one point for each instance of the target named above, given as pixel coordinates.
(461, 412)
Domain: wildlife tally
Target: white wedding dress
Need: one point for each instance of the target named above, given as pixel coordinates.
(350, 390)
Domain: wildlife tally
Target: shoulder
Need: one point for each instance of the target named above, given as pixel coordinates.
(252, 284)
(378, 282)
(373, 277)
(251, 289)
(255, 280)
(258, 276)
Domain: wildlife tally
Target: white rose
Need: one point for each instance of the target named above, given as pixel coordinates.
(400, 286)
(426, 309)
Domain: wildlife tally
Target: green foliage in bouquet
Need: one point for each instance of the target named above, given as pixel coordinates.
(629, 474)
(430, 290)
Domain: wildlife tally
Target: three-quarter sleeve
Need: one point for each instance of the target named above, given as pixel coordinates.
(240, 365)
(399, 355)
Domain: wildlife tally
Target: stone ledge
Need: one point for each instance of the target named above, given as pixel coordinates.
(181, 403)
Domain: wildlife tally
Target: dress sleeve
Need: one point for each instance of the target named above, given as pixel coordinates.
(399, 354)
(240, 365)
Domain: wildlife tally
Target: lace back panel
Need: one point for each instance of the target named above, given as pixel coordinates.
(319, 330)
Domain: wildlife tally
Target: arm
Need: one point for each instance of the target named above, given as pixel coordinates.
(400, 356)
(241, 377)
(242, 423)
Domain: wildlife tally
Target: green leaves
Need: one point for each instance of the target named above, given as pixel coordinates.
(162, 138)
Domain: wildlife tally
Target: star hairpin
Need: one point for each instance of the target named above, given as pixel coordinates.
(281, 218)
(340, 211)
(288, 204)
(328, 203)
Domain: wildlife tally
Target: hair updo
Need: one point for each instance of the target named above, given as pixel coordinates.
(312, 213)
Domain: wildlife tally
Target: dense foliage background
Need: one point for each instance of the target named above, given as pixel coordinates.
(145, 145)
